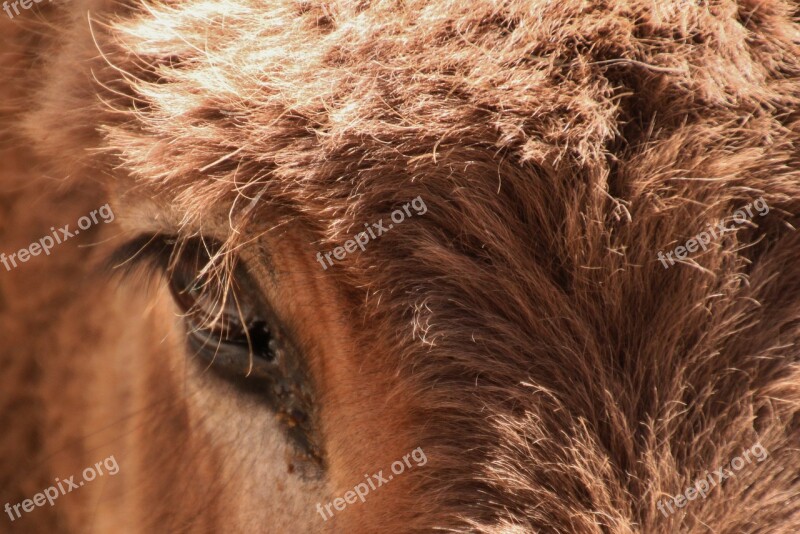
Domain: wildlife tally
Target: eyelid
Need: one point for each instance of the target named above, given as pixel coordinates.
(148, 258)
(155, 253)
(151, 252)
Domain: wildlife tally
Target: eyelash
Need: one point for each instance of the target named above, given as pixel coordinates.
(210, 310)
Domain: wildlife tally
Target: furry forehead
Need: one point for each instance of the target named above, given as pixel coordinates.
(336, 107)
(297, 96)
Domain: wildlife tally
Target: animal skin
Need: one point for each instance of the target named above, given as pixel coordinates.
(522, 331)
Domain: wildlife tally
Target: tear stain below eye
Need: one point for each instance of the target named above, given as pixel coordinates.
(282, 383)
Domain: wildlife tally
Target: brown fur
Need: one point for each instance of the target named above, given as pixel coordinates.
(522, 332)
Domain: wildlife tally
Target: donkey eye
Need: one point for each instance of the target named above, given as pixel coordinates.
(232, 331)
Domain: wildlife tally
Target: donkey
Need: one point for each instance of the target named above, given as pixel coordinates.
(497, 266)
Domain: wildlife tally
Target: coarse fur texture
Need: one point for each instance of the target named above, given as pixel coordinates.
(524, 332)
